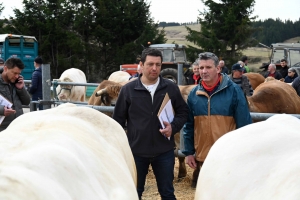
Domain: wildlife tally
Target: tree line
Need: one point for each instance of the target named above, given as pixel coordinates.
(95, 36)
(274, 31)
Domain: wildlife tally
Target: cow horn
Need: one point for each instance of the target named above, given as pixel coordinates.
(100, 92)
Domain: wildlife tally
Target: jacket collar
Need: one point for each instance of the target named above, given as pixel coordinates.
(224, 82)
(139, 85)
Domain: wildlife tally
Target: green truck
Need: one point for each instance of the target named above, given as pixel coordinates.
(20, 46)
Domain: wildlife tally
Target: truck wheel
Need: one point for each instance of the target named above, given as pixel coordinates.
(171, 74)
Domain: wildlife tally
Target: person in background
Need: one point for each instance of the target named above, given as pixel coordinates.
(224, 69)
(137, 74)
(292, 74)
(137, 106)
(241, 80)
(194, 78)
(12, 87)
(1, 63)
(284, 68)
(296, 85)
(245, 61)
(36, 89)
(272, 72)
(217, 106)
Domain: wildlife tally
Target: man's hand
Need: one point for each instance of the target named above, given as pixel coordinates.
(167, 131)
(190, 160)
(20, 84)
(8, 111)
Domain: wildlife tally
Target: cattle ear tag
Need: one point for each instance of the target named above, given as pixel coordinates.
(58, 80)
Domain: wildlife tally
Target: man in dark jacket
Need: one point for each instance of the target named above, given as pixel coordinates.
(138, 104)
(12, 87)
(284, 68)
(36, 89)
(272, 72)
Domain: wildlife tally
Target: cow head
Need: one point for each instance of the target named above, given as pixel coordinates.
(64, 91)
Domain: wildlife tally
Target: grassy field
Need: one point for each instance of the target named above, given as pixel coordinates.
(176, 34)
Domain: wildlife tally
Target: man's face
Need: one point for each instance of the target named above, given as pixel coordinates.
(237, 73)
(283, 64)
(208, 71)
(271, 69)
(151, 67)
(221, 64)
(196, 70)
(291, 74)
(12, 74)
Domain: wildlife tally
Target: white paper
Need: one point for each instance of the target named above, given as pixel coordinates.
(166, 114)
(4, 102)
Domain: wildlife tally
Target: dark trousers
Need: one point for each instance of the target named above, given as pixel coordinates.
(163, 168)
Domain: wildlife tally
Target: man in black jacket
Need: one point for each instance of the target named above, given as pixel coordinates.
(138, 104)
(284, 68)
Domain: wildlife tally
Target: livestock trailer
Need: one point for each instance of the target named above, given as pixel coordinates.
(20, 46)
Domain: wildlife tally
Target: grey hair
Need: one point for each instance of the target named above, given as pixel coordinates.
(273, 65)
(292, 70)
(209, 56)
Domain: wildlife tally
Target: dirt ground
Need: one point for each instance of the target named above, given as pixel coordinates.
(183, 190)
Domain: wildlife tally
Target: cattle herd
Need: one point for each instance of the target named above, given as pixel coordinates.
(72, 152)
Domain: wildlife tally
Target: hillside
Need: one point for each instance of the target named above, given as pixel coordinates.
(257, 55)
(177, 33)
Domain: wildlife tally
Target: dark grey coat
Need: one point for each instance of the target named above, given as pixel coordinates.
(16, 97)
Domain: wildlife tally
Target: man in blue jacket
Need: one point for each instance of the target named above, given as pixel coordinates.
(36, 89)
(137, 106)
(217, 106)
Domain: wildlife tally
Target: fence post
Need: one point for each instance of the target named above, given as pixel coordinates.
(46, 82)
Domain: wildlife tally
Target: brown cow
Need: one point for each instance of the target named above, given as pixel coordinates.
(274, 97)
(255, 79)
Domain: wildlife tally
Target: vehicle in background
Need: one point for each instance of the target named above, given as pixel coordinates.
(20, 46)
(174, 59)
(288, 51)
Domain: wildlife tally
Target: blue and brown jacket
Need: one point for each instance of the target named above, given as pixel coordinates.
(211, 117)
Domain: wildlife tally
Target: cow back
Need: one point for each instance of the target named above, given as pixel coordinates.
(67, 152)
(255, 79)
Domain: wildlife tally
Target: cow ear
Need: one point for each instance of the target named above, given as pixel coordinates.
(58, 80)
(67, 79)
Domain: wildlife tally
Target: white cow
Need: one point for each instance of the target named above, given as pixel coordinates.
(258, 161)
(69, 92)
(119, 77)
(68, 153)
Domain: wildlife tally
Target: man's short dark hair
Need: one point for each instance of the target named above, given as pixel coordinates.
(244, 58)
(151, 52)
(283, 60)
(14, 62)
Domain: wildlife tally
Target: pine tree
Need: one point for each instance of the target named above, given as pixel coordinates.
(225, 28)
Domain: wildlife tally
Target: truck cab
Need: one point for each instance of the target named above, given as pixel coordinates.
(288, 51)
(175, 66)
(22, 47)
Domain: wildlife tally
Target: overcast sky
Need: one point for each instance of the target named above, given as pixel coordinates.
(188, 10)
